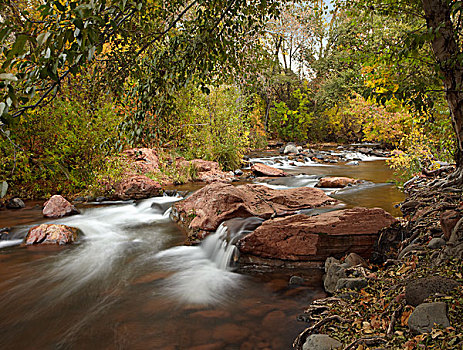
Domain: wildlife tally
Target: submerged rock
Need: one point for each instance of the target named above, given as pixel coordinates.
(137, 187)
(207, 208)
(57, 206)
(353, 162)
(315, 238)
(335, 182)
(260, 169)
(51, 234)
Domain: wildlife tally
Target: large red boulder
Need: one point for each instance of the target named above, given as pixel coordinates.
(204, 210)
(51, 234)
(137, 187)
(260, 169)
(315, 238)
(57, 206)
(145, 159)
(335, 182)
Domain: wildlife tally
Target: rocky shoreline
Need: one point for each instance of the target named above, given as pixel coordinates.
(412, 298)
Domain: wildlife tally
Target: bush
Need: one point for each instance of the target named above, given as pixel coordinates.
(59, 146)
(213, 126)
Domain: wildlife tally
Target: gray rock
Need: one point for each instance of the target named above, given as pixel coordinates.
(161, 207)
(418, 290)
(296, 281)
(238, 172)
(353, 162)
(334, 273)
(351, 283)
(15, 203)
(436, 243)
(330, 261)
(321, 342)
(424, 317)
(291, 148)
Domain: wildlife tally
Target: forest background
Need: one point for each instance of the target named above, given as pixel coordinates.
(81, 81)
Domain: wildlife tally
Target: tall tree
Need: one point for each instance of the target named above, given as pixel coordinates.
(444, 21)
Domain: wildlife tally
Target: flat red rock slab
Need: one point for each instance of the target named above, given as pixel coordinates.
(314, 238)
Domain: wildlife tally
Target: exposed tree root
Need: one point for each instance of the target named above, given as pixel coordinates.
(366, 341)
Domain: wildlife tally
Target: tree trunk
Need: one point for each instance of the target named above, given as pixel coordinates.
(445, 48)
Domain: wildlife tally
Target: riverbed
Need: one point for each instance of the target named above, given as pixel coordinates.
(131, 284)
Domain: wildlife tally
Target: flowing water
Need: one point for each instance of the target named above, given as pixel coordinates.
(129, 283)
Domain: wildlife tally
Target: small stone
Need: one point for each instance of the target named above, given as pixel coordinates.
(334, 273)
(436, 243)
(57, 206)
(352, 163)
(296, 281)
(425, 316)
(15, 203)
(351, 283)
(100, 199)
(290, 148)
(79, 199)
(238, 172)
(321, 342)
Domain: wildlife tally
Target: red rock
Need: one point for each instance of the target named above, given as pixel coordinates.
(208, 171)
(335, 182)
(51, 234)
(448, 220)
(137, 187)
(315, 238)
(145, 159)
(57, 206)
(208, 207)
(273, 319)
(260, 169)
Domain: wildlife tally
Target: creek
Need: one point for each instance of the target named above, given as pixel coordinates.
(130, 283)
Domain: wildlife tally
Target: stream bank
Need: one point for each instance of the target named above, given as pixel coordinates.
(413, 297)
(130, 282)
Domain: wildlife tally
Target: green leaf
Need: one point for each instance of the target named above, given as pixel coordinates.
(18, 46)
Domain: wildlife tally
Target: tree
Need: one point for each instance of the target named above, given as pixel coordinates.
(433, 44)
(154, 45)
(444, 21)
